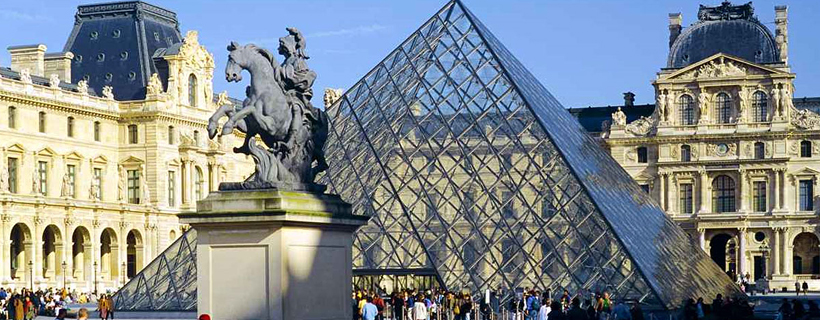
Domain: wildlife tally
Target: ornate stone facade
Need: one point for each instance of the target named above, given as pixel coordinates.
(90, 186)
(730, 158)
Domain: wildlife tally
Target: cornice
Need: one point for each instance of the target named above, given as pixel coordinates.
(24, 99)
(713, 137)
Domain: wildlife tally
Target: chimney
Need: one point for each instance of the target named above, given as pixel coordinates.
(629, 99)
(59, 63)
(675, 20)
(28, 57)
(781, 22)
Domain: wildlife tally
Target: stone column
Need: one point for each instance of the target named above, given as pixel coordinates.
(36, 247)
(787, 256)
(741, 252)
(744, 190)
(704, 191)
(6, 273)
(662, 194)
(788, 194)
(702, 238)
(777, 250)
(776, 192)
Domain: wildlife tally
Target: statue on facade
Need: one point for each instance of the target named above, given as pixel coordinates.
(743, 102)
(703, 101)
(145, 197)
(95, 190)
(54, 81)
(4, 179)
(25, 75)
(785, 97)
(82, 87)
(619, 118)
(662, 105)
(775, 97)
(277, 109)
(35, 182)
(120, 183)
(154, 84)
(108, 92)
(65, 190)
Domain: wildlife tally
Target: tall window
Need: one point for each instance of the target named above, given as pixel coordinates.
(760, 109)
(685, 153)
(97, 131)
(686, 200)
(171, 137)
(71, 172)
(192, 90)
(133, 134)
(759, 189)
(806, 195)
(805, 149)
(431, 206)
(12, 167)
(42, 121)
(507, 211)
(196, 137)
(134, 186)
(69, 127)
(643, 157)
(723, 108)
(760, 150)
(172, 191)
(42, 172)
(98, 183)
(12, 118)
(723, 194)
(199, 183)
(686, 109)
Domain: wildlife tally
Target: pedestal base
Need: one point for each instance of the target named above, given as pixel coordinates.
(271, 254)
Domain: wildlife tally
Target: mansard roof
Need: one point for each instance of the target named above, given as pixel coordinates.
(113, 44)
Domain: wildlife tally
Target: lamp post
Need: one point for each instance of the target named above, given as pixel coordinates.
(765, 249)
(123, 271)
(64, 279)
(31, 272)
(95, 277)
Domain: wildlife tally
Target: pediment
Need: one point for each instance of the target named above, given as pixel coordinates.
(46, 152)
(806, 171)
(132, 161)
(16, 148)
(722, 65)
(174, 162)
(73, 156)
(101, 159)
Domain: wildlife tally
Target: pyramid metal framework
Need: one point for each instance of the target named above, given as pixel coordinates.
(168, 283)
(475, 175)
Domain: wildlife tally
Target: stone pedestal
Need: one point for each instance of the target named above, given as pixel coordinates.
(271, 254)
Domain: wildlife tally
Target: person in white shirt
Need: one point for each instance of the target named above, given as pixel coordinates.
(545, 309)
(419, 308)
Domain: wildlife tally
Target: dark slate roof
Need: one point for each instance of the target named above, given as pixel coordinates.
(43, 81)
(113, 45)
(593, 118)
(729, 29)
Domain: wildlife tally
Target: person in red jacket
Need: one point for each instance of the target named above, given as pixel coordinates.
(379, 302)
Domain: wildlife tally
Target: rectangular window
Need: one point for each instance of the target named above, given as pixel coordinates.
(806, 195)
(643, 155)
(133, 137)
(759, 189)
(507, 211)
(42, 172)
(71, 174)
(42, 122)
(97, 131)
(69, 127)
(645, 188)
(172, 185)
(12, 118)
(134, 186)
(98, 183)
(686, 202)
(12, 167)
(171, 137)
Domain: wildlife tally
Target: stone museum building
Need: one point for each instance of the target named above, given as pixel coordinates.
(102, 144)
(726, 150)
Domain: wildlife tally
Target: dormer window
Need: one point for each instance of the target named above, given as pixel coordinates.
(192, 90)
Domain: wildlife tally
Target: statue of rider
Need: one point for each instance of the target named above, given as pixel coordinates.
(294, 75)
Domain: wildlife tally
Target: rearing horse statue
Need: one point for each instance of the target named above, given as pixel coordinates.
(277, 109)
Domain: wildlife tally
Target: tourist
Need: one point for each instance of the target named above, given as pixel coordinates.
(565, 303)
(797, 288)
(717, 305)
(556, 312)
(575, 312)
(369, 310)
(604, 306)
(28, 307)
(797, 309)
(785, 310)
(103, 305)
(533, 305)
(805, 288)
(621, 312)
(419, 309)
(545, 310)
(81, 315)
(495, 304)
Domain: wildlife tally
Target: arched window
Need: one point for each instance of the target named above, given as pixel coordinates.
(192, 90)
(199, 184)
(723, 108)
(686, 109)
(643, 157)
(760, 108)
(805, 149)
(12, 118)
(70, 127)
(723, 194)
(685, 153)
(760, 150)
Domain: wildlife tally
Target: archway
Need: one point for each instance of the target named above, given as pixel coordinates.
(108, 255)
(806, 248)
(81, 253)
(722, 251)
(52, 251)
(19, 251)
(134, 253)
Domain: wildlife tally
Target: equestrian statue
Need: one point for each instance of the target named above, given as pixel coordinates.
(278, 111)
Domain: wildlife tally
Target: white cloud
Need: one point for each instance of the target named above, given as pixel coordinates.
(360, 30)
(17, 15)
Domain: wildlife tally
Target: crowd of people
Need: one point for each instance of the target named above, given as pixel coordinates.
(26, 304)
(794, 310)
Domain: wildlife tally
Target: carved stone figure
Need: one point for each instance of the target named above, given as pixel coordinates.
(703, 102)
(785, 98)
(619, 118)
(642, 126)
(25, 75)
(54, 81)
(35, 182)
(108, 92)
(222, 99)
(154, 85)
(662, 105)
(804, 119)
(120, 183)
(95, 190)
(65, 190)
(775, 98)
(146, 193)
(277, 110)
(82, 87)
(4, 179)
(743, 103)
(331, 96)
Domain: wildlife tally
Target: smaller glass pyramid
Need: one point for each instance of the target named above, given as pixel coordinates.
(167, 284)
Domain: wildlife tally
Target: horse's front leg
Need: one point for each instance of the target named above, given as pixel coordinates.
(231, 123)
(213, 121)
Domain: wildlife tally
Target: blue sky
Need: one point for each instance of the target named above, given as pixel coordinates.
(585, 52)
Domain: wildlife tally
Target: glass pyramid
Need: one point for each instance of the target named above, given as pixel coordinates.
(475, 175)
(167, 284)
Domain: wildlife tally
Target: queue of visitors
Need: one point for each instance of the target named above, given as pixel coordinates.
(26, 304)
